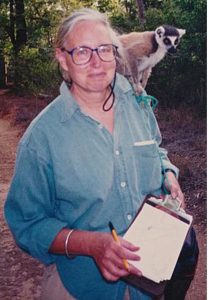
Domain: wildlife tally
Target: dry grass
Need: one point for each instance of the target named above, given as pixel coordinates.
(180, 117)
(20, 110)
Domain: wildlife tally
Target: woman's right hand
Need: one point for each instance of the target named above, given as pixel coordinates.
(102, 247)
(109, 255)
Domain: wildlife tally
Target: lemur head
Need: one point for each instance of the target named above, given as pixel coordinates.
(168, 37)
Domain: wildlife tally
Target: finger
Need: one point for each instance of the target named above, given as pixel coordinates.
(128, 245)
(109, 276)
(114, 271)
(130, 255)
(125, 253)
(134, 270)
(174, 194)
(181, 197)
(114, 257)
(178, 194)
(115, 268)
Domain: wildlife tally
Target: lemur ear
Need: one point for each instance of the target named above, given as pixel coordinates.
(181, 32)
(159, 31)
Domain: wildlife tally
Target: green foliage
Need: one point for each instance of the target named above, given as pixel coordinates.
(154, 17)
(34, 72)
(123, 24)
(3, 24)
(153, 3)
(179, 80)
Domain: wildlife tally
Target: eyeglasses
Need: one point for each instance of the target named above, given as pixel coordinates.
(82, 55)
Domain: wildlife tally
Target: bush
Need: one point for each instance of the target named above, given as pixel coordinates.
(35, 72)
(176, 81)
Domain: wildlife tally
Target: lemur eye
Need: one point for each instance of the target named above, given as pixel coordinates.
(167, 41)
(176, 41)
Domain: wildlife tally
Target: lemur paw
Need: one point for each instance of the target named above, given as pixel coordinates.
(138, 88)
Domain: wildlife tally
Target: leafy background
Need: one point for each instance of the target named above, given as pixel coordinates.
(27, 31)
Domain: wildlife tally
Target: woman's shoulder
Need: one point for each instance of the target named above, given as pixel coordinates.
(122, 83)
(49, 120)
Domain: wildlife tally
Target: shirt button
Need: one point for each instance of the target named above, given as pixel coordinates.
(117, 152)
(129, 217)
(123, 184)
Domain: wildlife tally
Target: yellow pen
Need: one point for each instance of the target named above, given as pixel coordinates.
(116, 238)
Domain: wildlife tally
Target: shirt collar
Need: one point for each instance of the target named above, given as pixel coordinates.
(70, 106)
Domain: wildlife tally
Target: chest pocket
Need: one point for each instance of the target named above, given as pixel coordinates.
(148, 166)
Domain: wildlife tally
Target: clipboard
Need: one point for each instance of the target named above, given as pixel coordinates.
(159, 229)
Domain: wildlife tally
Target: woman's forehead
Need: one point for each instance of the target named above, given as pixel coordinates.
(87, 33)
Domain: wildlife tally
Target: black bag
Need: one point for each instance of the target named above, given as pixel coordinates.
(184, 271)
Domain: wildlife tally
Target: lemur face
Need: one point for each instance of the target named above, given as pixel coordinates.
(168, 37)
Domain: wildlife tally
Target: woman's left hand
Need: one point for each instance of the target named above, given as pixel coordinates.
(172, 185)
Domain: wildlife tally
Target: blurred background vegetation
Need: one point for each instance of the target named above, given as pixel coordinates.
(28, 27)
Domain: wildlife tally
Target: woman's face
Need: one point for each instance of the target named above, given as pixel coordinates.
(95, 75)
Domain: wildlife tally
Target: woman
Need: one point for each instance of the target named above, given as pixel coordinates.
(89, 158)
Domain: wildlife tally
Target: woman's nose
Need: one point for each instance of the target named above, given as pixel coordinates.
(95, 59)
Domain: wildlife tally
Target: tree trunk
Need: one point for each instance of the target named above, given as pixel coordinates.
(12, 22)
(21, 31)
(18, 30)
(141, 9)
(2, 73)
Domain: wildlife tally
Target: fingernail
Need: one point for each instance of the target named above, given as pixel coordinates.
(139, 273)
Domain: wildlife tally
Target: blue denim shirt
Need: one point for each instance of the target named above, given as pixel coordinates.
(71, 172)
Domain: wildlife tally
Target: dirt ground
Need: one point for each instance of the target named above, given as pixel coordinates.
(183, 136)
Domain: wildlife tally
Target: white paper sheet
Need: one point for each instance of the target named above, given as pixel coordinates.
(160, 237)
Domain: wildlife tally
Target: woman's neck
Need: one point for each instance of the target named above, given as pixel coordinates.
(90, 101)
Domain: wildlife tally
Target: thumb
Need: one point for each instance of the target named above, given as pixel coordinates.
(174, 194)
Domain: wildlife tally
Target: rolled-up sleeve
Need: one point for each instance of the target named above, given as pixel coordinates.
(30, 204)
(166, 164)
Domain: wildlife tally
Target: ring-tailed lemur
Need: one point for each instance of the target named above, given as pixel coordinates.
(143, 50)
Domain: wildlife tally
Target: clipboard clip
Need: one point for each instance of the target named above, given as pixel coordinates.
(172, 203)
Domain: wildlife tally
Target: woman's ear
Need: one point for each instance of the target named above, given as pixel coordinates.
(61, 57)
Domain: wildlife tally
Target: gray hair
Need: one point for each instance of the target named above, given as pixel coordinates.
(86, 14)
